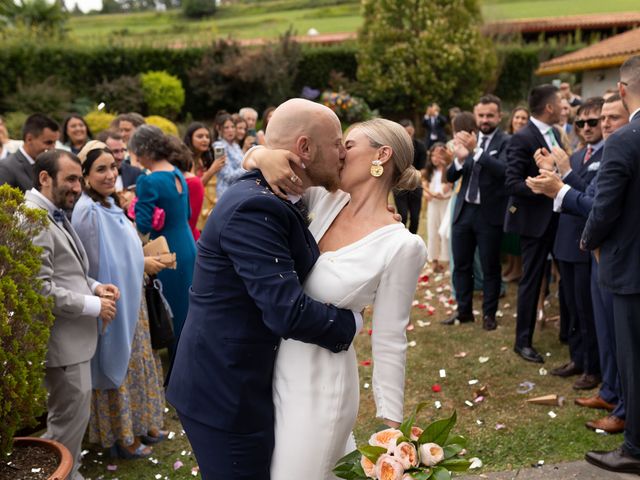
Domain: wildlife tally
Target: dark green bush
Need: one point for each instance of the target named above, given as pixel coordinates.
(48, 96)
(317, 64)
(123, 94)
(25, 317)
(198, 8)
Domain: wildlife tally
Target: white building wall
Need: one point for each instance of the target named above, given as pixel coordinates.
(596, 82)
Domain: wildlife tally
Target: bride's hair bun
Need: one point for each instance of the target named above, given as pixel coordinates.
(385, 132)
(410, 179)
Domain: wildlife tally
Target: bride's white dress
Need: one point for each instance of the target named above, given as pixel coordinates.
(316, 392)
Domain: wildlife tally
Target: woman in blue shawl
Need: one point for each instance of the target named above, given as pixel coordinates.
(128, 401)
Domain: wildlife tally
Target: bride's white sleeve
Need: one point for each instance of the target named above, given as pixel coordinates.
(391, 310)
(313, 195)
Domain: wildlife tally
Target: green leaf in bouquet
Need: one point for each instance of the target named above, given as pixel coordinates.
(350, 471)
(458, 439)
(405, 427)
(455, 464)
(371, 452)
(422, 474)
(352, 457)
(452, 450)
(438, 431)
(440, 473)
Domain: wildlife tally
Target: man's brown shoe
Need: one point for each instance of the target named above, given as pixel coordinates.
(609, 424)
(586, 382)
(594, 402)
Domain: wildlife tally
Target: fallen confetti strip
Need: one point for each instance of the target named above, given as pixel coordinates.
(460, 355)
(436, 388)
(438, 405)
(410, 327)
(366, 385)
(422, 324)
(542, 371)
(525, 387)
(552, 414)
(479, 422)
(178, 464)
(171, 435)
(158, 476)
(500, 426)
(475, 463)
(468, 403)
(36, 470)
(365, 363)
(479, 399)
(473, 382)
(112, 468)
(483, 359)
(443, 373)
(195, 471)
(504, 349)
(412, 343)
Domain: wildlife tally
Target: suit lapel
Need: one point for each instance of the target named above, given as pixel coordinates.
(26, 165)
(536, 133)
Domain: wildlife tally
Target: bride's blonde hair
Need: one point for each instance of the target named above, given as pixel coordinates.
(382, 132)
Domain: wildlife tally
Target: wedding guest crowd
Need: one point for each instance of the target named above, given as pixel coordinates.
(554, 182)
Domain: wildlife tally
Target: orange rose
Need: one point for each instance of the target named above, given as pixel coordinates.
(368, 466)
(406, 454)
(388, 468)
(385, 439)
(415, 433)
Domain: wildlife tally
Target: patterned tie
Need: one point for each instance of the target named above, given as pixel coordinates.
(587, 156)
(474, 181)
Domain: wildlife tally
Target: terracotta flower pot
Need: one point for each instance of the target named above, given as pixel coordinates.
(65, 462)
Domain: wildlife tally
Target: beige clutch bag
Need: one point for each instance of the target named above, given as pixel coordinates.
(160, 248)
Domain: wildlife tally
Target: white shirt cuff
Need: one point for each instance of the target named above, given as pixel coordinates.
(95, 285)
(457, 163)
(359, 322)
(92, 306)
(566, 174)
(557, 202)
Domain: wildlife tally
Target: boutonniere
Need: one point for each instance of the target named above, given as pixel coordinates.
(593, 167)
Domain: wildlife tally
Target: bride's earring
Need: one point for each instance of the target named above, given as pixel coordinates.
(376, 168)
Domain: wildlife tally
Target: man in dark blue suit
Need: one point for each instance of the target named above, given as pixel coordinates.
(612, 229)
(568, 199)
(479, 211)
(254, 253)
(435, 125)
(574, 264)
(528, 214)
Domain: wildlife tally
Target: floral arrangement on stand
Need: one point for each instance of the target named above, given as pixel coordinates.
(347, 107)
(408, 453)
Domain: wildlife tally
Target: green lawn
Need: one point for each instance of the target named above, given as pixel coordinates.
(271, 18)
(528, 435)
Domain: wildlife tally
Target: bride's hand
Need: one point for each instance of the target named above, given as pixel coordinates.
(275, 165)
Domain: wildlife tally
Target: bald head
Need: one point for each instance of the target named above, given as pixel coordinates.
(296, 118)
(630, 74)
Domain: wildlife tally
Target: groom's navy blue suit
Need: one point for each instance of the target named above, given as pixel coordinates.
(253, 255)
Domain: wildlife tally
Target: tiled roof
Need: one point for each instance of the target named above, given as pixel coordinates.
(611, 52)
(573, 22)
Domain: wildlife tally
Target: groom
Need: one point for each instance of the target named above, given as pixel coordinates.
(253, 255)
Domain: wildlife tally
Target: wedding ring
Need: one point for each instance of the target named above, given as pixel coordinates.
(294, 178)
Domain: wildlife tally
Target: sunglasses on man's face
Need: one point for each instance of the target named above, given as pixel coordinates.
(592, 122)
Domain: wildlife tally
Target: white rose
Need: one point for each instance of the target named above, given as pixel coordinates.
(368, 466)
(388, 468)
(385, 439)
(431, 454)
(406, 454)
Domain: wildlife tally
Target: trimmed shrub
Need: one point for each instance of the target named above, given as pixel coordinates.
(123, 94)
(14, 122)
(25, 317)
(317, 64)
(99, 121)
(198, 8)
(163, 93)
(164, 124)
(48, 96)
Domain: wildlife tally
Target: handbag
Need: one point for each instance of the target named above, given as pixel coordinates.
(160, 315)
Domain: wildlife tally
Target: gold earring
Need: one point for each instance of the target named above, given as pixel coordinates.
(376, 168)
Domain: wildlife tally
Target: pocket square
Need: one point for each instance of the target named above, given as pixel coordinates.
(493, 152)
(593, 167)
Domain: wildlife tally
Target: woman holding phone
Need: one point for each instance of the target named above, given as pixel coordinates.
(226, 146)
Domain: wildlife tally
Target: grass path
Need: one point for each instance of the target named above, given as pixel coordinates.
(505, 432)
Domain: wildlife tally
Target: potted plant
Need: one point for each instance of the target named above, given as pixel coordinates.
(25, 322)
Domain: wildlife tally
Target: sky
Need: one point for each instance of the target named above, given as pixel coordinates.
(85, 5)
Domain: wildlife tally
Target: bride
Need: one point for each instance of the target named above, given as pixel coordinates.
(367, 258)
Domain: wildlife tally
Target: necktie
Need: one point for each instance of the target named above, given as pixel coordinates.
(552, 138)
(587, 156)
(474, 181)
(301, 206)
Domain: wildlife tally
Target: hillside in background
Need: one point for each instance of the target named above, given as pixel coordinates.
(268, 19)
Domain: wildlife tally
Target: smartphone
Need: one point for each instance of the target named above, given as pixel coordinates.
(218, 152)
(251, 132)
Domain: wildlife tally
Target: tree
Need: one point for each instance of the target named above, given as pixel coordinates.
(198, 8)
(38, 17)
(413, 52)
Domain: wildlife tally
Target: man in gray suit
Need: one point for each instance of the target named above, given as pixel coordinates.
(39, 134)
(78, 301)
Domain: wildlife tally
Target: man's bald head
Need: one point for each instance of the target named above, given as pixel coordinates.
(295, 118)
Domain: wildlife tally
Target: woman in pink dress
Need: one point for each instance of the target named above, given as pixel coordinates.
(183, 160)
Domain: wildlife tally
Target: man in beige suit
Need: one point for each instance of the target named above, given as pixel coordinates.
(78, 301)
